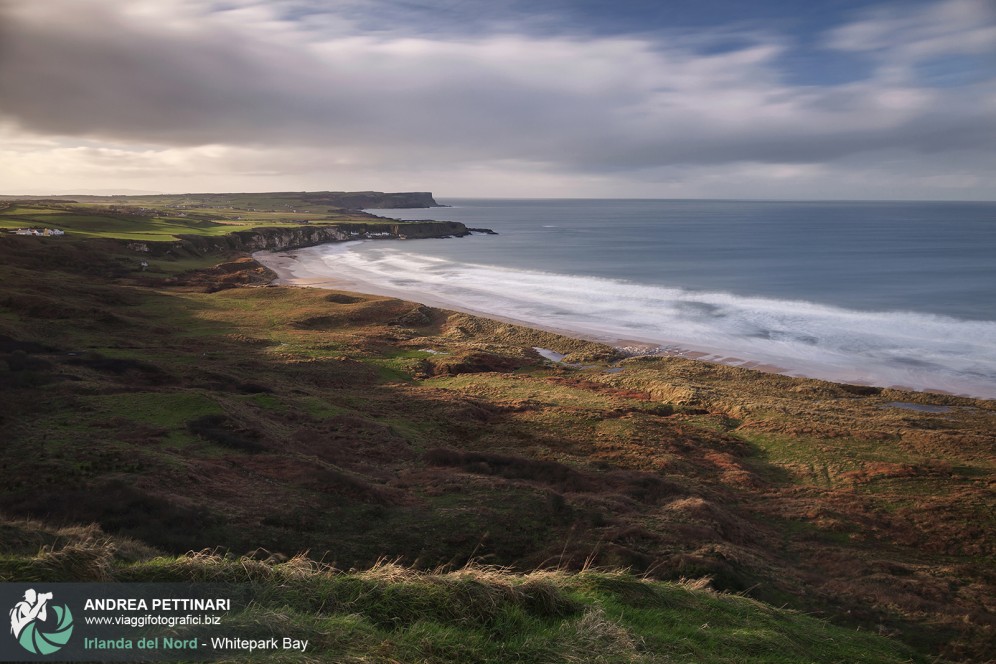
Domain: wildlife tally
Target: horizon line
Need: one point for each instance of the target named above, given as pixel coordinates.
(531, 198)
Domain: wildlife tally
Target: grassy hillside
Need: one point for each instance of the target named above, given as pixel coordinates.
(188, 407)
(274, 201)
(158, 221)
(392, 613)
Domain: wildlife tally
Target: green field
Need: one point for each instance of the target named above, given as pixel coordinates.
(101, 220)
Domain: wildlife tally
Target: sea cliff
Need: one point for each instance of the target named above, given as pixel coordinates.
(296, 237)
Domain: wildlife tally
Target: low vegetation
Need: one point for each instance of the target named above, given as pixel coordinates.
(163, 218)
(184, 405)
(393, 613)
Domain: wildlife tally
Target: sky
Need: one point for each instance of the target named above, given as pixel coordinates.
(823, 99)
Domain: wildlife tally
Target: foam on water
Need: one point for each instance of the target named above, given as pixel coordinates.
(917, 350)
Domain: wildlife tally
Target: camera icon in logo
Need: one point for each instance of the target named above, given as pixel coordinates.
(29, 623)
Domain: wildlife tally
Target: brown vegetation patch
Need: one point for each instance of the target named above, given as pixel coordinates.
(224, 431)
(251, 341)
(353, 442)
(964, 444)
(342, 298)
(95, 258)
(363, 312)
(732, 472)
(330, 373)
(319, 323)
(645, 488)
(418, 316)
(473, 361)
(122, 508)
(601, 388)
(10, 345)
(33, 305)
(300, 472)
(512, 467)
(233, 274)
(120, 367)
(860, 390)
(724, 523)
(464, 326)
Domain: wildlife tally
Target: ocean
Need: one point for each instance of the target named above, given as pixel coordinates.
(883, 293)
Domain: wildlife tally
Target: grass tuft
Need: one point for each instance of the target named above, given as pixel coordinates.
(394, 613)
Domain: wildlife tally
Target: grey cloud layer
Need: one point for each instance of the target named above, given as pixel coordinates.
(138, 73)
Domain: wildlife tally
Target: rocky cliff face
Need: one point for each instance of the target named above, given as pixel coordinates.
(428, 229)
(295, 237)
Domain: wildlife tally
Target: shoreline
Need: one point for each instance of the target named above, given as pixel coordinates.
(292, 271)
(283, 263)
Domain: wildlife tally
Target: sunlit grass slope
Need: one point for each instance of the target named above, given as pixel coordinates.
(392, 613)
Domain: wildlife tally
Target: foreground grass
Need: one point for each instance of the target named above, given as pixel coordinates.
(392, 613)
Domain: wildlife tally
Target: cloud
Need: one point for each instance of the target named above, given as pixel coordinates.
(300, 89)
(895, 32)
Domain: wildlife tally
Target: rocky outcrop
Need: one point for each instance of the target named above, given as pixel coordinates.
(428, 229)
(296, 237)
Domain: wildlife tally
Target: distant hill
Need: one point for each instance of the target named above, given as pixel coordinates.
(346, 200)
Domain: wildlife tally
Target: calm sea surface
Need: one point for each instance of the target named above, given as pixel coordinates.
(881, 292)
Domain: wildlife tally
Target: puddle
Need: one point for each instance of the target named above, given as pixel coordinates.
(923, 408)
(551, 355)
(613, 370)
(558, 358)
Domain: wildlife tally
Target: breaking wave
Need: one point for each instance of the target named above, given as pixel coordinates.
(916, 350)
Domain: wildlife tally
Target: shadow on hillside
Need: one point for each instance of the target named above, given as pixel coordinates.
(293, 453)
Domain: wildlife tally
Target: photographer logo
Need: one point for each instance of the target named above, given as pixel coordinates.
(30, 624)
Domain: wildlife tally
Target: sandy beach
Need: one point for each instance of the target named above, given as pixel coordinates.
(316, 267)
(300, 268)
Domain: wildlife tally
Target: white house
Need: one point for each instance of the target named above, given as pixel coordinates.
(38, 232)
